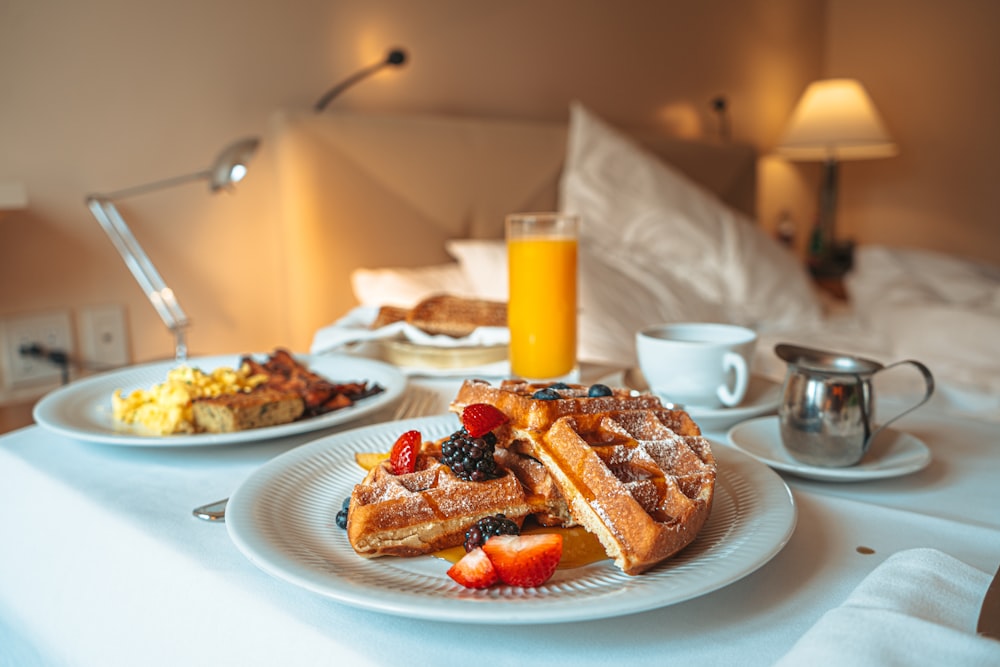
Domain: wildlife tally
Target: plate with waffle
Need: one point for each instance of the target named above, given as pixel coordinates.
(675, 516)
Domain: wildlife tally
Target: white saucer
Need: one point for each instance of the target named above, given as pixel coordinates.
(763, 396)
(892, 454)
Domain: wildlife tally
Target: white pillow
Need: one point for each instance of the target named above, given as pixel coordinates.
(661, 248)
(405, 287)
(484, 262)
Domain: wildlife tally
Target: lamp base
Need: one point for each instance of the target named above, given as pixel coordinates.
(832, 261)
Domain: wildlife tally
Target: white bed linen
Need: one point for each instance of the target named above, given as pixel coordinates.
(104, 565)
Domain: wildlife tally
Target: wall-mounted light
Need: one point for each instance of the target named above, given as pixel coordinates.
(228, 168)
(395, 58)
(834, 120)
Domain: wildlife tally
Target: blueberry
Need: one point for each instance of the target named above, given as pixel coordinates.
(558, 385)
(342, 514)
(599, 390)
(546, 394)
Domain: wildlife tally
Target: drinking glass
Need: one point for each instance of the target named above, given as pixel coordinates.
(541, 309)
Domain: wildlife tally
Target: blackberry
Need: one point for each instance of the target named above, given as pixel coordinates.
(486, 528)
(546, 394)
(597, 390)
(342, 514)
(470, 458)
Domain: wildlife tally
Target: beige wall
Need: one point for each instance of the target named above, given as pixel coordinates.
(933, 69)
(105, 94)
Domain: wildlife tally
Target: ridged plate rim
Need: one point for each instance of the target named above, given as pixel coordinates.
(282, 519)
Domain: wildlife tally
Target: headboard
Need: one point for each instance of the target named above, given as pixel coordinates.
(377, 190)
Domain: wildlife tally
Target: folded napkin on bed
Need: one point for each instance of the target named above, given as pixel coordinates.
(356, 326)
(919, 607)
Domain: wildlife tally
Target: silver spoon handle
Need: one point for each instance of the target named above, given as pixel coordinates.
(213, 511)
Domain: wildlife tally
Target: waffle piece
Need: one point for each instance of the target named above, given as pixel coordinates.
(430, 509)
(642, 481)
(513, 397)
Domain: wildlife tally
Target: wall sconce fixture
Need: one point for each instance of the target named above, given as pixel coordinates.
(834, 120)
(229, 167)
(395, 58)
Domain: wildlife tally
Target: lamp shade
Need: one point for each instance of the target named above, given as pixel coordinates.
(836, 120)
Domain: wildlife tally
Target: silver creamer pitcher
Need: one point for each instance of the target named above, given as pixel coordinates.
(827, 405)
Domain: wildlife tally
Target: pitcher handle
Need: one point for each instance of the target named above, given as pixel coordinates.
(928, 380)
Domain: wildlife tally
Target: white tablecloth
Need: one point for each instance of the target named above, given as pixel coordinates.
(101, 563)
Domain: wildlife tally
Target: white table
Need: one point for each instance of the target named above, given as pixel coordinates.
(102, 563)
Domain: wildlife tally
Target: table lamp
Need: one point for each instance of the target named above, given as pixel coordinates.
(229, 167)
(834, 120)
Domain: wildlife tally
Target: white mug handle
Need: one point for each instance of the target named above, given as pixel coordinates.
(734, 362)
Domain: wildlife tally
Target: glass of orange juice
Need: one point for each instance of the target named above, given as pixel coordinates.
(541, 308)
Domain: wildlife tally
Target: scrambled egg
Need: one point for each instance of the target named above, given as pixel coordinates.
(165, 408)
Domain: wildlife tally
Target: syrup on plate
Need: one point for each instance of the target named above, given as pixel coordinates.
(579, 547)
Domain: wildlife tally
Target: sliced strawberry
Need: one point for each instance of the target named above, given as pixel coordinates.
(481, 418)
(403, 456)
(474, 570)
(525, 560)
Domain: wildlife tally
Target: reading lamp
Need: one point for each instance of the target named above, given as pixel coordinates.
(395, 58)
(229, 167)
(834, 120)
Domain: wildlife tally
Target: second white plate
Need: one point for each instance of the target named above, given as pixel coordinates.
(82, 410)
(282, 519)
(892, 454)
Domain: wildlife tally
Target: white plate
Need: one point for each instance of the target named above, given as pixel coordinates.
(82, 410)
(763, 396)
(282, 519)
(892, 454)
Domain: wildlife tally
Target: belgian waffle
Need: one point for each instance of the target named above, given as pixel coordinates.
(642, 481)
(430, 509)
(514, 398)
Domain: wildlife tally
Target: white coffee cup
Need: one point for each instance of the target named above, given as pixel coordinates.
(697, 364)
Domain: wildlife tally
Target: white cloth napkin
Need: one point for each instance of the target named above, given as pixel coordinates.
(919, 607)
(355, 327)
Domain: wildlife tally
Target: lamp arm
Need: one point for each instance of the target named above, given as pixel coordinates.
(150, 187)
(395, 58)
(347, 83)
(138, 262)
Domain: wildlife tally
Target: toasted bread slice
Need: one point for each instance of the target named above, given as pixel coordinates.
(456, 316)
(244, 411)
(388, 315)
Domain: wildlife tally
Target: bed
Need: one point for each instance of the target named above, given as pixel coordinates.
(388, 208)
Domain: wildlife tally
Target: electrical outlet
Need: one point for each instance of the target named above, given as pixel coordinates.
(50, 330)
(103, 337)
